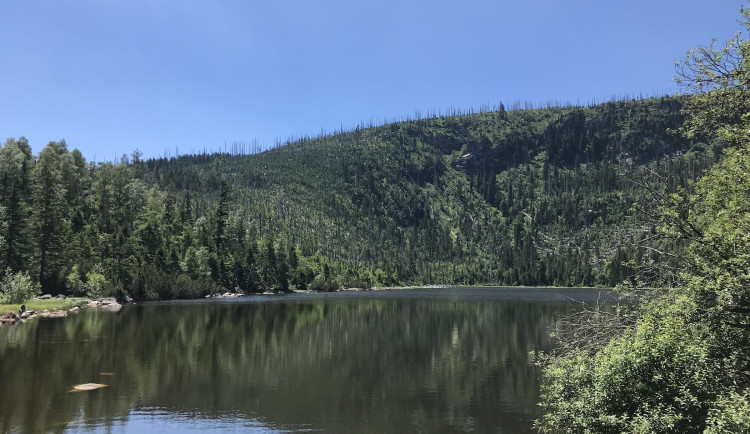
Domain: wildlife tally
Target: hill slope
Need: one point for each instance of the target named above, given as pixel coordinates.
(528, 197)
(532, 197)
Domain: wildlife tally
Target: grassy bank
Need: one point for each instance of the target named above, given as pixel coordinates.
(39, 305)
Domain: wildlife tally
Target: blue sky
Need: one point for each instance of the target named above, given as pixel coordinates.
(112, 76)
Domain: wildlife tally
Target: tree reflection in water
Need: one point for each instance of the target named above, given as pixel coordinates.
(374, 363)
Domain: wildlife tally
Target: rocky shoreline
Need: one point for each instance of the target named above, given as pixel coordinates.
(13, 318)
(111, 304)
(225, 295)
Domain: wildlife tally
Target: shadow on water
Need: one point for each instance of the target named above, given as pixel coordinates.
(388, 361)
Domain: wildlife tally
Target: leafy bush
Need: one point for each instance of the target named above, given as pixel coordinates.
(96, 285)
(157, 285)
(657, 377)
(93, 285)
(73, 282)
(357, 283)
(170, 286)
(320, 284)
(185, 287)
(302, 278)
(731, 414)
(353, 279)
(18, 287)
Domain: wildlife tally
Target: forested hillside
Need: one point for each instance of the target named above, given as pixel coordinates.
(521, 197)
(533, 197)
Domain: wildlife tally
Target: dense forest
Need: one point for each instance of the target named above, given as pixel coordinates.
(520, 197)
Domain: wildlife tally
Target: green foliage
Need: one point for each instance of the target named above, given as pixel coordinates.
(321, 284)
(532, 197)
(74, 283)
(720, 78)
(658, 377)
(96, 284)
(731, 414)
(92, 285)
(17, 287)
(195, 263)
(16, 165)
(164, 286)
(684, 365)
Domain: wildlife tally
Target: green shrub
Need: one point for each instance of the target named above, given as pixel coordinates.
(18, 287)
(731, 414)
(657, 377)
(96, 285)
(320, 284)
(302, 278)
(353, 280)
(185, 287)
(73, 282)
(157, 285)
(93, 285)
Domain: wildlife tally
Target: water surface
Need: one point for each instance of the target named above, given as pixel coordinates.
(429, 360)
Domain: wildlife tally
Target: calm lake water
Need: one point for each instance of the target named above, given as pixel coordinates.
(428, 360)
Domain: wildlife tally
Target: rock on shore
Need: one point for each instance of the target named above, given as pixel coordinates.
(54, 313)
(10, 318)
(108, 303)
(225, 295)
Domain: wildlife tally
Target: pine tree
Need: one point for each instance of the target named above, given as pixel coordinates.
(49, 216)
(16, 165)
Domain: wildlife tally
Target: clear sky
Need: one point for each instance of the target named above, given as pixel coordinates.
(110, 76)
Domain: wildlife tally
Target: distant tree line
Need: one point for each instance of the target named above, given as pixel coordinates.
(78, 228)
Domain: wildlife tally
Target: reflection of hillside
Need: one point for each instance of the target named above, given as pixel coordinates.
(376, 364)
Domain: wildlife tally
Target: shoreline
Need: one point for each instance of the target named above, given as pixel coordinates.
(12, 314)
(388, 288)
(59, 308)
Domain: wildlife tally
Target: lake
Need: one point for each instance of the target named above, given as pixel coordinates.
(424, 360)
